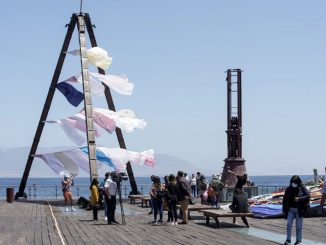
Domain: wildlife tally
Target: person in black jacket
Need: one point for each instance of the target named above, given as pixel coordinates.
(240, 204)
(295, 202)
(173, 190)
(183, 196)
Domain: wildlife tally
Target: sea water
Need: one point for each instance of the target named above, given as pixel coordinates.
(40, 188)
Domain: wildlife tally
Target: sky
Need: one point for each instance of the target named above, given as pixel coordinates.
(176, 53)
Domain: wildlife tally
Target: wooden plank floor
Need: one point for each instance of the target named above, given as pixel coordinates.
(32, 223)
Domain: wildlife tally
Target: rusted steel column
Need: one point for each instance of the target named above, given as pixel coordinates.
(234, 160)
(88, 107)
(47, 105)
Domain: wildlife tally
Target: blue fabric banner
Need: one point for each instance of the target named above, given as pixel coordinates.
(72, 95)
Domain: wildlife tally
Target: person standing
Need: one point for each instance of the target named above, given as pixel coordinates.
(242, 179)
(157, 194)
(110, 188)
(193, 184)
(67, 183)
(173, 190)
(198, 183)
(295, 201)
(103, 194)
(184, 196)
(323, 197)
(95, 198)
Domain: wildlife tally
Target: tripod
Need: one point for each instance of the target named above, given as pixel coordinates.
(120, 202)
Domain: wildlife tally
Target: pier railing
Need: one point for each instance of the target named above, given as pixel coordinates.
(55, 192)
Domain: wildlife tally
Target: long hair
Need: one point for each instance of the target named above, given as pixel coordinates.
(94, 182)
(296, 179)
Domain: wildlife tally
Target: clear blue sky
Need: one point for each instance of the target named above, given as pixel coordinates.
(176, 53)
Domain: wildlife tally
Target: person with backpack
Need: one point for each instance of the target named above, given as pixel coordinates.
(295, 202)
(157, 193)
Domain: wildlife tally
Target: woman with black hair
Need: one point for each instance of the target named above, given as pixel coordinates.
(94, 197)
(156, 193)
(295, 202)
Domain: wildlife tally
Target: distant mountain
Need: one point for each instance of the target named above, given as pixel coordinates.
(13, 161)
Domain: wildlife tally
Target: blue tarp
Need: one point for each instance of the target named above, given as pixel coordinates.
(270, 210)
(267, 210)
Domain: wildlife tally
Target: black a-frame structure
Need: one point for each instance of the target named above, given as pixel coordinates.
(83, 22)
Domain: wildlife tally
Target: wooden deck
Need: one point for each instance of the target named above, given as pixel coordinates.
(35, 223)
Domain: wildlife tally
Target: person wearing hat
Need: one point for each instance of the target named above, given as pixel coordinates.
(67, 183)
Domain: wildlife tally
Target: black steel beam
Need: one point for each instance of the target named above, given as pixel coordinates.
(47, 105)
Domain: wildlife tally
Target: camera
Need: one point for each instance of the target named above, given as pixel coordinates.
(119, 177)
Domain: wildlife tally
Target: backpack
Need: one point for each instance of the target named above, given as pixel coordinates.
(160, 194)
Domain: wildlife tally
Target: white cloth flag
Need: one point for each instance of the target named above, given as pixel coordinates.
(125, 119)
(103, 119)
(72, 160)
(118, 83)
(96, 56)
(74, 125)
(69, 161)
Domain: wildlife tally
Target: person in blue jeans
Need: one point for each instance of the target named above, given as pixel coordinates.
(157, 194)
(295, 201)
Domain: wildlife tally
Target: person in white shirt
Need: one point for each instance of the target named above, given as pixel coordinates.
(193, 185)
(110, 188)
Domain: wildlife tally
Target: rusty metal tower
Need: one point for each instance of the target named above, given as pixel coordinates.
(83, 23)
(234, 160)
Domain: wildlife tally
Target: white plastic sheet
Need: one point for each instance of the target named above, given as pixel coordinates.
(96, 56)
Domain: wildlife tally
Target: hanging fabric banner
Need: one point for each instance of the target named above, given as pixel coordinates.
(118, 83)
(71, 161)
(96, 56)
(104, 119)
(72, 95)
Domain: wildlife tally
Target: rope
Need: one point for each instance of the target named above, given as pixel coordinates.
(56, 226)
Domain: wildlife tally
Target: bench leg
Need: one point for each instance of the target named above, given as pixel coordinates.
(142, 203)
(234, 220)
(207, 220)
(218, 223)
(245, 221)
(189, 217)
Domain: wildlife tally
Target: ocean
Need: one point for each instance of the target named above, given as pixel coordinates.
(40, 188)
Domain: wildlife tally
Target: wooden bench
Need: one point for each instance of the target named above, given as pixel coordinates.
(197, 207)
(224, 213)
(133, 198)
(145, 200)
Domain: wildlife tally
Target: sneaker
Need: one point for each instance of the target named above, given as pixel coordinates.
(73, 209)
(150, 212)
(160, 221)
(287, 242)
(114, 221)
(171, 223)
(175, 223)
(106, 218)
(67, 209)
(154, 222)
(184, 223)
(297, 242)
